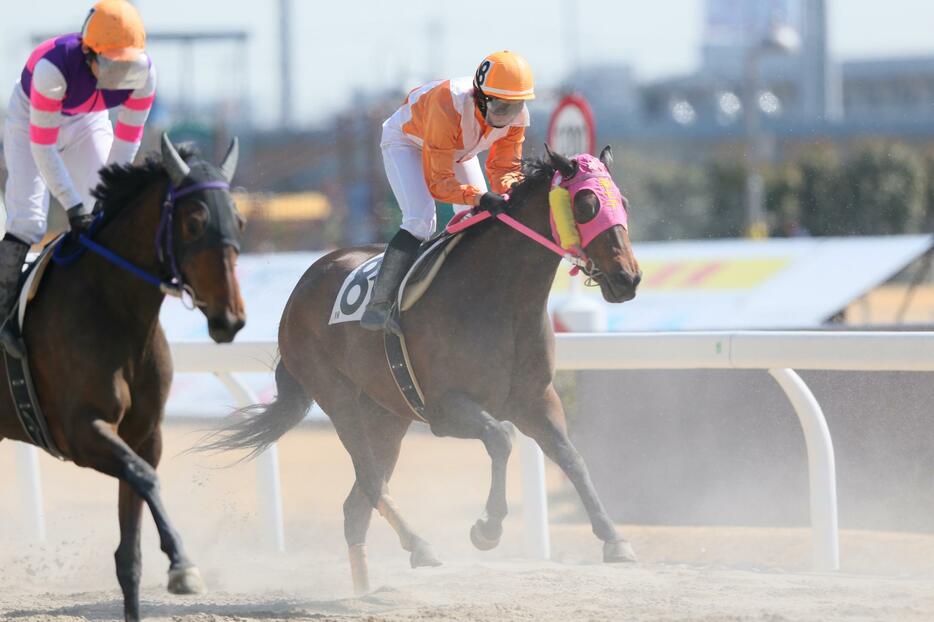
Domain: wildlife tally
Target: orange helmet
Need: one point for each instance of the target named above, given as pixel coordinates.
(505, 75)
(114, 30)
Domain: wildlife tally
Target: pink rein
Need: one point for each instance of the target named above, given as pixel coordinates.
(592, 175)
(461, 221)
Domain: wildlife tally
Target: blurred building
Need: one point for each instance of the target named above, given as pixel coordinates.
(803, 95)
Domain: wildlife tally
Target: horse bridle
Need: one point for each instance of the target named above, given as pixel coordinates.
(165, 248)
(175, 285)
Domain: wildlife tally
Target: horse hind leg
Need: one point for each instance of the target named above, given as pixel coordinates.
(459, 416)
(373, 438)
(357, 513)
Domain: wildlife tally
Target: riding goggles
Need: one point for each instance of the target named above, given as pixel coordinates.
(120, 75)
(501, 112)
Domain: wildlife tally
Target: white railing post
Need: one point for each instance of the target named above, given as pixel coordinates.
(268, 487)
(534, 499)
(30, 488)
(825, 545)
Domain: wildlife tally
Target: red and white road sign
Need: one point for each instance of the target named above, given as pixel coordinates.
(572, 129)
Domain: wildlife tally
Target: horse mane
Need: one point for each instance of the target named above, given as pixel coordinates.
(535, 171)
(120, 184)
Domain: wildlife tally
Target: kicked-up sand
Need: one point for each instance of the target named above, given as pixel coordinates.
(440, 485)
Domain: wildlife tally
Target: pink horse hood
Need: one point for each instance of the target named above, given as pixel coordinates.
(593, 175)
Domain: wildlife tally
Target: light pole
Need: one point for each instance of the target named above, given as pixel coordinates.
(779, 39)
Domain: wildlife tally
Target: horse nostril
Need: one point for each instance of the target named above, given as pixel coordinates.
(637, 279)
(627, 280)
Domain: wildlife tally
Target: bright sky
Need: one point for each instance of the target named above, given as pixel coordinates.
(352, 45)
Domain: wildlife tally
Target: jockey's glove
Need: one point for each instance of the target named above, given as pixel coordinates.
(80, 220)
(493, 203)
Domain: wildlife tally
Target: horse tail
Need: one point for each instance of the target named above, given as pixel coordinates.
(258, 426)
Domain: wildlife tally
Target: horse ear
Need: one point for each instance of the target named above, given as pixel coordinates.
(565, 166)
(606, 156)
(229, 165)
(175, 166)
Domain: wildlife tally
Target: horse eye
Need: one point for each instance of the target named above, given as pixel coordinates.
(194, 222)
(585, 211)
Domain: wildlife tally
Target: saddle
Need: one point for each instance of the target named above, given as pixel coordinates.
(427, 264)
(22, 391)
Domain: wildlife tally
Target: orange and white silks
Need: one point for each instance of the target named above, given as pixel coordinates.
(430, 146)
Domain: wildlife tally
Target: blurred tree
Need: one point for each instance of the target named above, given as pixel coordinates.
(819, 205)
(881, 190)
(726, 187)
(782, 202)
(667, 200)
(927, 223)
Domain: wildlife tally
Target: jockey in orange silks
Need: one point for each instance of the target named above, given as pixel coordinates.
(58, 132)
(430, 148)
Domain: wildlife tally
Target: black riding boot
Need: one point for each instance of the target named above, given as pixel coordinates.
(399, 257)
(12, 254)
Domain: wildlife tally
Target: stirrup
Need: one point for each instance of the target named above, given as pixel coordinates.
(376, 316)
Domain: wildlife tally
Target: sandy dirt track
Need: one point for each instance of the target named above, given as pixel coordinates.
(440, 485)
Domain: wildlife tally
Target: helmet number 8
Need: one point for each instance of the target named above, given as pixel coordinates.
(482, 71)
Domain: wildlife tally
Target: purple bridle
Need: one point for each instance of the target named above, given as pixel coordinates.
(165, 248)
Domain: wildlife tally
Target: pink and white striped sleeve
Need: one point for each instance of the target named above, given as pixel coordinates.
(131, 119)
(45, 119)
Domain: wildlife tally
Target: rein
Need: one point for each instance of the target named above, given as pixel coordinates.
(165, 248)
(578, 260)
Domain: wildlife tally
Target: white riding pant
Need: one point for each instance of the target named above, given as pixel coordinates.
(403, 162)
(84, 143)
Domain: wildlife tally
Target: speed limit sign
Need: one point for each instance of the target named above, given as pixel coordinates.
(571, 130)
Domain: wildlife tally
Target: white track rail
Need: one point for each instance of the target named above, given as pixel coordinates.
(780, 353)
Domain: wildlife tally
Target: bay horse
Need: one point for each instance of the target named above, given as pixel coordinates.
(99, 359)
(481, 344)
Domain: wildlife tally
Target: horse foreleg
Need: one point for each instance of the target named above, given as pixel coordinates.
(544, 422)
(99, 447)
(184, 577)
(128, 556)
(459, 416)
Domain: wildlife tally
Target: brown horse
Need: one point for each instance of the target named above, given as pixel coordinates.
(99, 359)
(481, 344)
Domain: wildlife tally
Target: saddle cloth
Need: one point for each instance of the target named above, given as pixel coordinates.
(357, 288)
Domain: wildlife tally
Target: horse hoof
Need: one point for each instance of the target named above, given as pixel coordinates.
(423, 556)
(186, 581)
(482, 541)
(618, 551)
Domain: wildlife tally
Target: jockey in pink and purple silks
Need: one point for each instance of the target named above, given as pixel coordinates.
(58, 133)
